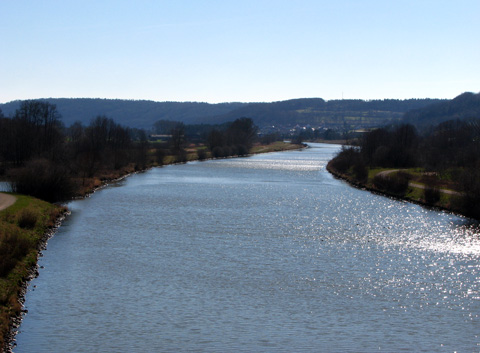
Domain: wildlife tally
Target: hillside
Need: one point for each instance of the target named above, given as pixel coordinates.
(306, 111)
(132, 113)
(465, 106)
(331, 114)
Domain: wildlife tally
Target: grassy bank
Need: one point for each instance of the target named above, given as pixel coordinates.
(24, 227)
(413, 184)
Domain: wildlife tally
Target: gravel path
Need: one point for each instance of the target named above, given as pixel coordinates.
(6, 200)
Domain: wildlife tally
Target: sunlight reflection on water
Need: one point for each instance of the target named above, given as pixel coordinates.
(267, 253)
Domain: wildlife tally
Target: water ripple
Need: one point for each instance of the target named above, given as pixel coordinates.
(267, 253)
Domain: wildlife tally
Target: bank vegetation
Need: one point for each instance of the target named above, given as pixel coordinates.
(43, 158)
(439, 167)
(24, 229)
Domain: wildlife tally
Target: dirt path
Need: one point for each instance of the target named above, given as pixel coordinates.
(445, 191)
(416, 185)
(387, 172)
(6, 200)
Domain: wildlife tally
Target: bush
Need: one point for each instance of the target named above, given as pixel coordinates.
(43, 179)
(13, 247)
(159, 155)
(202, 154)
(242, 150)
(181, 157)
(224, 151)
(396, 184)
(27, 219)
(432, 195)
(227, 151)
(470, 185)
(360, 171)
(345, 159)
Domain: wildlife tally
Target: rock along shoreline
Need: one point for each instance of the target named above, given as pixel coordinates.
(16, 320)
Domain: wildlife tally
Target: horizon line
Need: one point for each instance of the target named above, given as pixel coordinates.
(226, 102)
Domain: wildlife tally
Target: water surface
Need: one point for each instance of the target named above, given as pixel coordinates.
(266, 253)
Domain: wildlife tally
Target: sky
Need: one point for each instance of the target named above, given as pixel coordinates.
(238, 51)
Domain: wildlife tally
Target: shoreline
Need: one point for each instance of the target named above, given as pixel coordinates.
(16, 320)
(32, 273)
(376, 191)
(14, 283)
(105, 182)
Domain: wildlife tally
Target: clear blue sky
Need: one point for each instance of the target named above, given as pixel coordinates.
(249, 50)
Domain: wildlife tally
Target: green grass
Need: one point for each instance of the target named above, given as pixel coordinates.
(415, 193)
(374, 171)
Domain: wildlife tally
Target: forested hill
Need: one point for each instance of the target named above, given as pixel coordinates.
(306, 111)
(354, 113)
(465, 106)
(132, 113)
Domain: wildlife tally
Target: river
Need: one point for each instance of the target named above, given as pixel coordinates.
(268, 253)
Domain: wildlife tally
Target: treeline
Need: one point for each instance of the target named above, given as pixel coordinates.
(449, 152)
(223, 140)
(236, 139)
(43, 158)
(309, 134)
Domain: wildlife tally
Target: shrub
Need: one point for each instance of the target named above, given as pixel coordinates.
(431, 194)
(470, 185)
(242, 150)
(181, 157)
(27, 219)
(396, 184)
(13, 247)
(202, 154)
(360, 171)
(43, 179)
(380, 156)
(345, 159)
(227, 151)
(160, 155)
(231, 150)
(217, 152)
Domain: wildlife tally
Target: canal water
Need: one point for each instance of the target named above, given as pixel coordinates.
(268, 253)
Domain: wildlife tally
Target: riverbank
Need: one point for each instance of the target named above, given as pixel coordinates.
(25, 227)
(445, 199)
(211, 238)
(44, 219)
(88, 185)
